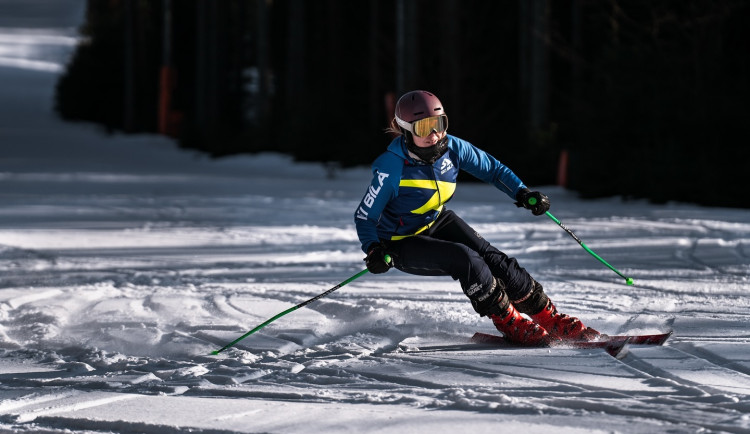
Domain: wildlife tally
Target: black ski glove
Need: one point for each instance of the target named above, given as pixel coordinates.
(375, 259)
(537, 202)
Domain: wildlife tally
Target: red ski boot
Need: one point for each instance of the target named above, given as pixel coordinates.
(563, 326)
(519, 330)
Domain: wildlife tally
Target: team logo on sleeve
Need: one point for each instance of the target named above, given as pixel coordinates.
(370, 196)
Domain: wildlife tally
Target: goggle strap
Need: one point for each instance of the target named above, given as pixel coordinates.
(403, 124)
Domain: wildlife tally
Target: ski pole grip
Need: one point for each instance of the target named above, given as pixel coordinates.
(387, 259)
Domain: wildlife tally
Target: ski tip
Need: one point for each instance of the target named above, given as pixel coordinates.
(668, 335)
(214, 353)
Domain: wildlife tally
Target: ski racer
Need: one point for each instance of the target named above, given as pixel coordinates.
(403, 215)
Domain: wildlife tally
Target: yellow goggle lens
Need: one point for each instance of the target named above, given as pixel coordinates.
(424, 127)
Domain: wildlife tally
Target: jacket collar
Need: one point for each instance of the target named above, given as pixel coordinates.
(398, 147)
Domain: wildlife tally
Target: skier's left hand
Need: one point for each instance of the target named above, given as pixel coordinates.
(535, 201)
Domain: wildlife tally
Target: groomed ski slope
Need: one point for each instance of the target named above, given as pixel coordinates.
(124, 262)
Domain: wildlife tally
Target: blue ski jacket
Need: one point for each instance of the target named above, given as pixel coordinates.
(407, 195)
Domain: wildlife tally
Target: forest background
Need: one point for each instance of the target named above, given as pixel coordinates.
(636, 98)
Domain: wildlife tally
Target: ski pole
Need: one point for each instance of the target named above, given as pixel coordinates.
(293, 308)
(628, 280)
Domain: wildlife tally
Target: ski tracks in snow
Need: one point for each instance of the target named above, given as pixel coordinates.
(135, 312)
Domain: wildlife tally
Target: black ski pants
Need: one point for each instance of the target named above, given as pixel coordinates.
(451, 247)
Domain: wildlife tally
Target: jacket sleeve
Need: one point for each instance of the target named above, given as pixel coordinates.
(486, 168)
(386, 172)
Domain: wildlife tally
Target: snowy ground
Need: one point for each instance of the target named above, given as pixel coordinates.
(124, 262)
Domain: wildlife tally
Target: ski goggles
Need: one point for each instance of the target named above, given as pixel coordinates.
(425, 127)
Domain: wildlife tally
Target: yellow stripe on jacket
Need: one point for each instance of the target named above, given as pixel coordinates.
(443, 191)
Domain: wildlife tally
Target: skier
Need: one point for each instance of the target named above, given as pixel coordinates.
(403, 215)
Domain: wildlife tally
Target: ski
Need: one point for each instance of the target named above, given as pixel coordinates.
(612, 344)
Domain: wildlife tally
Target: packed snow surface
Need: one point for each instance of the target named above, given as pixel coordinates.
(124, 262)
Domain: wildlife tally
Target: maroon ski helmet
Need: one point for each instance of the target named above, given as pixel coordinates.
(416, 105)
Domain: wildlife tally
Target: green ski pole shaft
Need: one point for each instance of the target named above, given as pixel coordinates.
(628, 280)
(293, 308)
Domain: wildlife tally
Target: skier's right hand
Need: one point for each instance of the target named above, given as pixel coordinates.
(375, 259)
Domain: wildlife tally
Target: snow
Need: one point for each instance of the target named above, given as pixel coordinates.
(124, 262)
